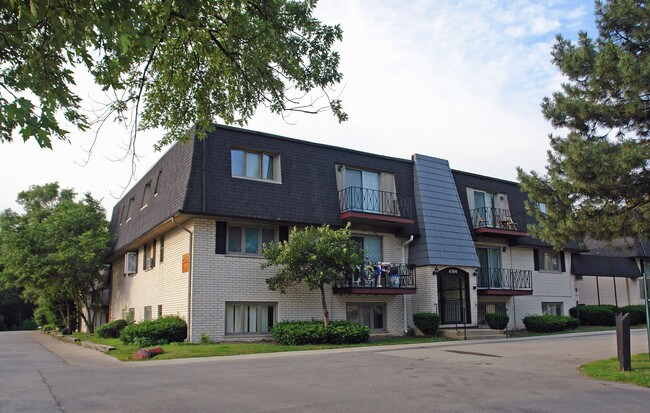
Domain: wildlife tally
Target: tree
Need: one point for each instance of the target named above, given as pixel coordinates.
(55, 250)
(597, 180)
(317, 256)
(187, 62)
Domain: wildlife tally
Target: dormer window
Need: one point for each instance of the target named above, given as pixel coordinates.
(146, 195)
(255, 165)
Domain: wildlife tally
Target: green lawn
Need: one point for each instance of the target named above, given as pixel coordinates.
(182, 350)
(581, 329)
(609, 370)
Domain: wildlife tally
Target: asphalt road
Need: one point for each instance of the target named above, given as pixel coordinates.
(41, 374)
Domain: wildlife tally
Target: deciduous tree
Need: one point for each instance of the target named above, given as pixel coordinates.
(171, 63)
(597, 180)
(316, 256)
(55, 250)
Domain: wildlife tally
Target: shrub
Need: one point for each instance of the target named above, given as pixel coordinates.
(112, 329)
(427, 323)
(595, 315)
(313, 332)
(205, 339)
(636, 312)
(346, 332)
(163, 330)
(28, 325)
(50, 327)
(549, 323)
(497, 321)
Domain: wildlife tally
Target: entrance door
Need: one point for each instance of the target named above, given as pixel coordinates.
(453, 291)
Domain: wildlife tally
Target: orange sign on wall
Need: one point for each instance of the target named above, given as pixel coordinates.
(186, 262)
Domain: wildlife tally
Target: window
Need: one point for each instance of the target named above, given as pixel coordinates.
(131, 263)
(147, 313)
(131, 314)
(247, 318)
(146, 195)
(123, 214)
(372, 315)
(162, 248)
(160, 310)
(129, 213)
(249, 240)
(255, 165)
(549, 261)
(155, 191)
(371, 246)
(552, 308)
(483, 209)
(149, 260)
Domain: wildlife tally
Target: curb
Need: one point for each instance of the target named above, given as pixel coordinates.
(88, 344)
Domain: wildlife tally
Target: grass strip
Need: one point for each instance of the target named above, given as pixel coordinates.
(185, 350)
(609, 370)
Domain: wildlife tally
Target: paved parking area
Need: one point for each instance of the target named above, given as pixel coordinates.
(40, 373)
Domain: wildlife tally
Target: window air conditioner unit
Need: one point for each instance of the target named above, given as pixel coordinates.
(131, 263)
(151, 262)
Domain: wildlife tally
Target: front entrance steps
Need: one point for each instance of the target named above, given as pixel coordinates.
(472, 333)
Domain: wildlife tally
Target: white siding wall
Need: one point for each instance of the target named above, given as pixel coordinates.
(165, 284)
(627, 290)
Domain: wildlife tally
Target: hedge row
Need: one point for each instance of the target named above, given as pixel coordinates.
(313, 332)
(549, 323)
(605, 315)
(163, 330)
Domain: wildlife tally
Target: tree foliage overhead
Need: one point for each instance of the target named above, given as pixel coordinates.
(598, 179)
(317, 256)
(55, 250)
(176, 63)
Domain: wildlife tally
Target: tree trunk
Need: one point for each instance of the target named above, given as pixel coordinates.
(326, 314)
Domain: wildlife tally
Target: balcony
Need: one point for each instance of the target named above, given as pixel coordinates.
(504, 281)
(368, 206)
(380, 278)
(499, 222)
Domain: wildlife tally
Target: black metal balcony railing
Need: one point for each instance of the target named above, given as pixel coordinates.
(372, 201)
(381, 275)
(496, 218)
(504, 279)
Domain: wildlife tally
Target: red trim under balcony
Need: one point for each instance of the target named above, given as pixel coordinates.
(499, 232)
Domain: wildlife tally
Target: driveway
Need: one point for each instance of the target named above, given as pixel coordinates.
(39, 373)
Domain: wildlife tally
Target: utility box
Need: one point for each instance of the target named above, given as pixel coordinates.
(623, 341)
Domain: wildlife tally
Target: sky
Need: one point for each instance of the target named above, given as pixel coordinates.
(458, 80)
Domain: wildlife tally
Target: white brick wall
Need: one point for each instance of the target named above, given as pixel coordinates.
(165, 284)
(219, 278)
(552, 287)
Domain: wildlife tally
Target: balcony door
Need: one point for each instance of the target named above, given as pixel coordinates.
(483, 209)
(364, 186)
(489, 274)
